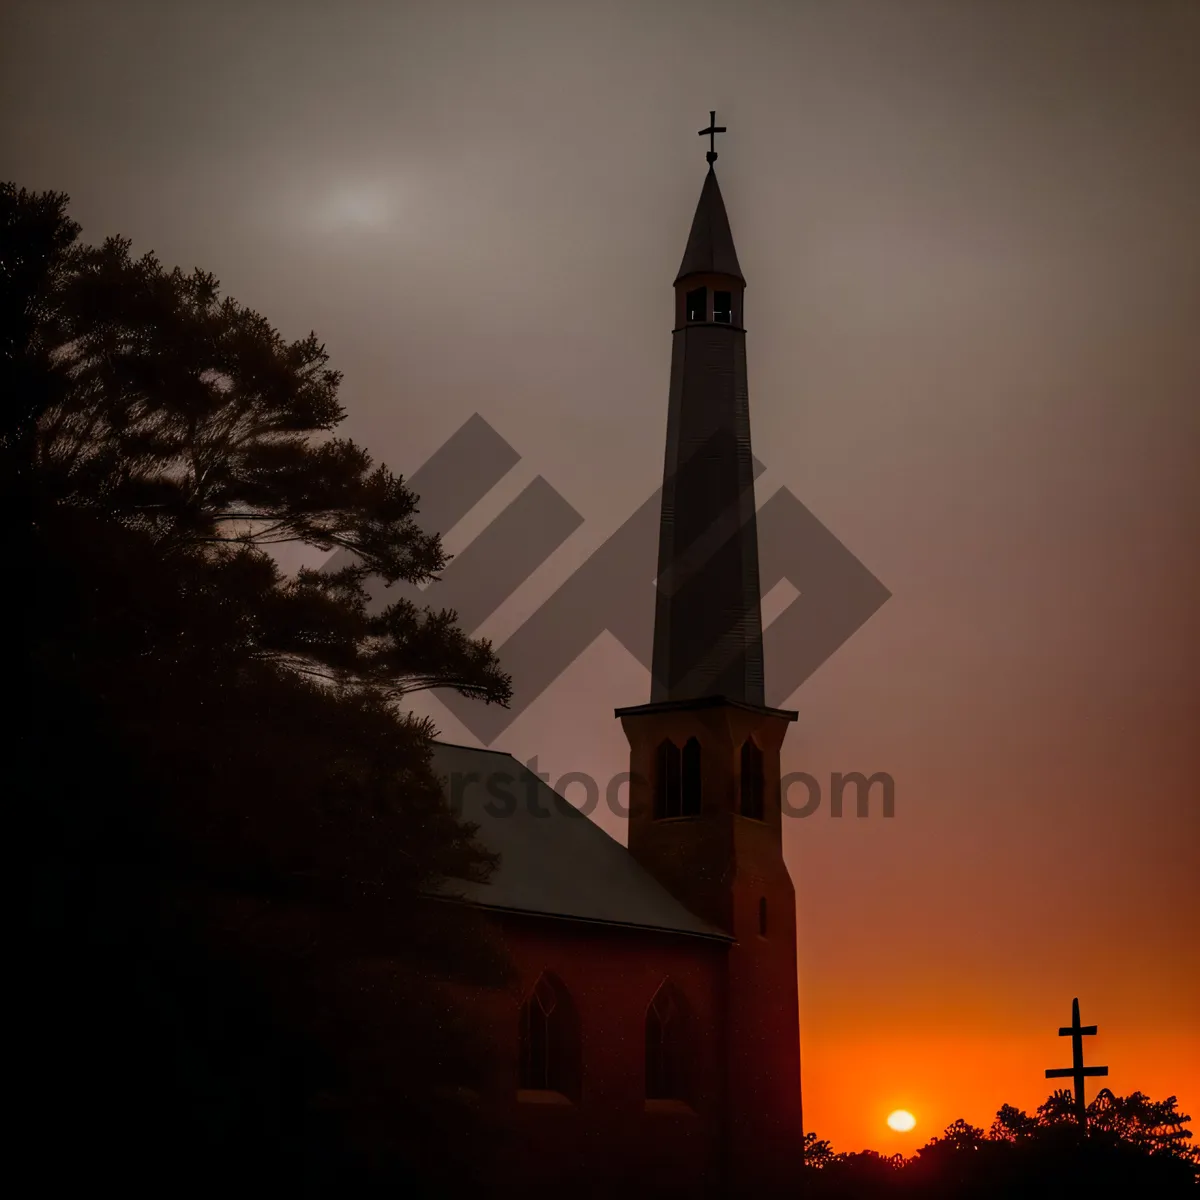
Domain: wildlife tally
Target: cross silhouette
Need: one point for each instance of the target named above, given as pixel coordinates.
(711, 133)
(1077, 1070)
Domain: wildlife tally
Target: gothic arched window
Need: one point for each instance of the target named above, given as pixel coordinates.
(666, 781)
(752, 780)
(666, 1046)
(690, 784)
(549, 1040)
(677, 790)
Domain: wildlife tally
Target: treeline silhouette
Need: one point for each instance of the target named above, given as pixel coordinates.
(1133, 1146)
(222, 824)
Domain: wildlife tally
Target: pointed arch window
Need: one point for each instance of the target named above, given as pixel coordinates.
(549, 1040)
(668, 770)
(666, 1046)
(678, 788)
(752, 780)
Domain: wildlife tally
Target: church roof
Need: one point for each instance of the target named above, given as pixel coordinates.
(710, 244)
(561, 864)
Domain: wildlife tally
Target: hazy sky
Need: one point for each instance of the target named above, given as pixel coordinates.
(970, 234)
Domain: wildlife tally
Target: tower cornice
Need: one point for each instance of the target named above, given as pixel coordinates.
(667, 706)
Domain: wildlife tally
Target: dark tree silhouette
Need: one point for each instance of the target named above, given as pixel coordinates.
(227, 825)
(1011, 1125)
(1134, 1147)
(818, 1152)
(1154, 1126)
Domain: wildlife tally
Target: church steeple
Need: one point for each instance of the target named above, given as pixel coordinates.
(708, 625)
(705, 790)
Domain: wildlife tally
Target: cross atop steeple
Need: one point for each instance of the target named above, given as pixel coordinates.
(711, 133)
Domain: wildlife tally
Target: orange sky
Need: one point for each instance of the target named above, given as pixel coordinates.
(970, 243)
(860, 1066)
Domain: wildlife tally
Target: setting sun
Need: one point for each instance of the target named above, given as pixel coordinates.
(901, 1121)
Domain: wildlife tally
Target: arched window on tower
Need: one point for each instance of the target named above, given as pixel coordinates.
(752, 780)
(677, 782)
(666, 1046)
(690, 785)
(549, 1040)
(696, 304)
(667, 798)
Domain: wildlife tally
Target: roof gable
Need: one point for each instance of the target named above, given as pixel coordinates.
(554, 861)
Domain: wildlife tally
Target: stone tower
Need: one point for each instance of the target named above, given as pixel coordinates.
(704, 753)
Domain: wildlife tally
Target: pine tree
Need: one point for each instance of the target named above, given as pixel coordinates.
(232, 821)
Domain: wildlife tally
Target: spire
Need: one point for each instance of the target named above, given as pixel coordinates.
(708, 623)
(710, 244)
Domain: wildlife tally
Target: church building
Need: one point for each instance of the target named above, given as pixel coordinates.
(651, 1044)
